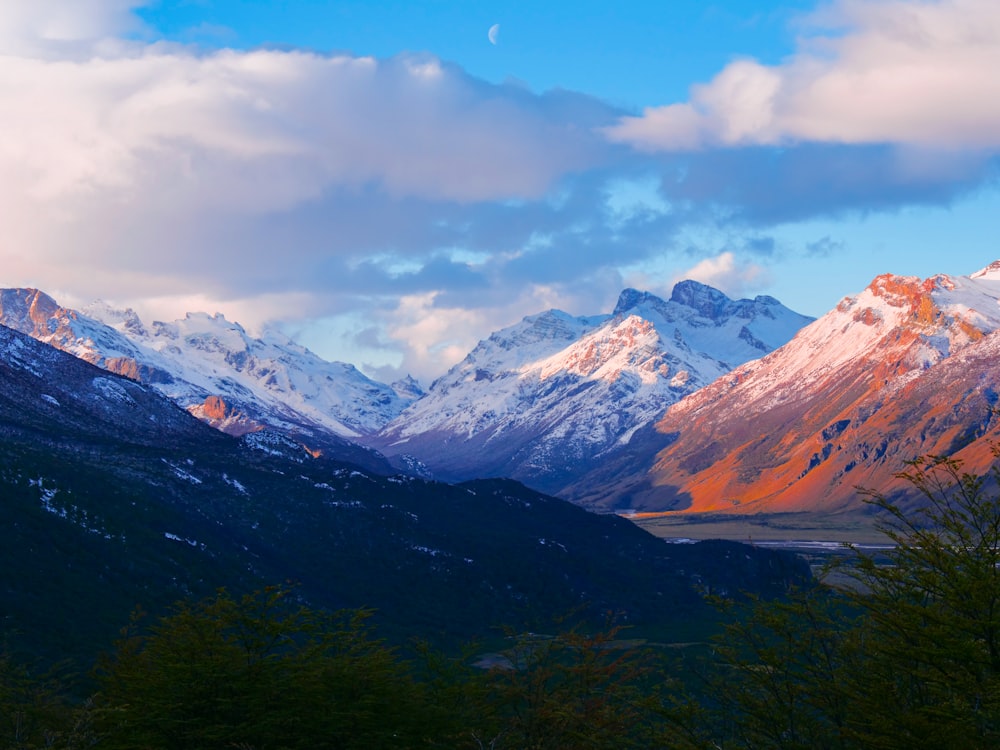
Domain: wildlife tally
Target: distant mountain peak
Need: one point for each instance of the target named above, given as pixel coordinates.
(34, 310)
(630, 299)
(706, 300)
(408, 388)
(214, 368)
(123, 319)
(543, 399)
(990, 273)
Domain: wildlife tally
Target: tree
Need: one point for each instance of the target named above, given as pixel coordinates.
(36, 710)
(932, 618)
(778, 679)
(568, 692)
(258, 672)
(907, 657)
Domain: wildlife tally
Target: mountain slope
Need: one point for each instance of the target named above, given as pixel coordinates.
(113, 496)
(215, 370)
(906, 368)
(543, 400)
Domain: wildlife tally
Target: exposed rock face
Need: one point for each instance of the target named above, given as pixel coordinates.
(222, 416)
(38, 315)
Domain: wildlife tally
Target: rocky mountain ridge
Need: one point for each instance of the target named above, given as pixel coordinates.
(694, 404)
(544, 399)
(904, 369)
(537, 401)
(214, 369)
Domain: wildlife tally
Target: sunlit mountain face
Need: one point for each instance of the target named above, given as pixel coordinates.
(904, 369)
(214, 369)
(545, 400)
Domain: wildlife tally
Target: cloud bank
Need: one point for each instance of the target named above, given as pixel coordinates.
(430, 207)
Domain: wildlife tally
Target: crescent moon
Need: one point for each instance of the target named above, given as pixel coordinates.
(494, 33)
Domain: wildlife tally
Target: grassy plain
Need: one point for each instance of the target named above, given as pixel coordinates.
(771, 527)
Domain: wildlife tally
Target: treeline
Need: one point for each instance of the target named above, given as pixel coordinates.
(906, 656)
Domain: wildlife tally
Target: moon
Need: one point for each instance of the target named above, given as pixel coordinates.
(494, 33)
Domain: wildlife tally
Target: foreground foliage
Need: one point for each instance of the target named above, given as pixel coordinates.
(907, 656)
(258, 672)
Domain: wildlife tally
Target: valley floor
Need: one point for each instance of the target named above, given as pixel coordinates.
(792, 530)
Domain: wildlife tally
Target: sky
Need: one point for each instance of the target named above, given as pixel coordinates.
(390, 182)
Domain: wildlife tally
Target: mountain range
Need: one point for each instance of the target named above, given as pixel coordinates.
(212, 368)
(697, 403)
(113, 496)
(539, 401)
(906, 368)
(544, 400)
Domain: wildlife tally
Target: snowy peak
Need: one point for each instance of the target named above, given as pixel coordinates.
(941, 301)
(32, 312)
(706, 301)
(542, 400)
(942, 313)
(901, 323)
(408, 388)
(631, 343)
(38, 315)
(990, 273)
(632, 299)
(536, 333)
(915, 298)
(215, 369)
(123, 320)
(905, 368)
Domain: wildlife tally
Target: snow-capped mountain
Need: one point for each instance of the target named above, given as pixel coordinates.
(906, 368)
(544, 399)
(215, 369)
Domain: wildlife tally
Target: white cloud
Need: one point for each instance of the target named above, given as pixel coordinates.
(264, 129)
(910, 72)
(61, 27)
(432, 337)
(415, 206)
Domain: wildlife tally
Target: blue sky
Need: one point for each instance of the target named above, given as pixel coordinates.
(385, 183)
(591, 46)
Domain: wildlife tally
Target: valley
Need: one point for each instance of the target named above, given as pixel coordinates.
(499, 376)
(113, 496)
(194, 455)
(691, 412)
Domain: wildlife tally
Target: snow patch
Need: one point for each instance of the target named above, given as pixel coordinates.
(185, 540)
(235, 484)
(181, 473)
(428, 550)
(112, 390)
